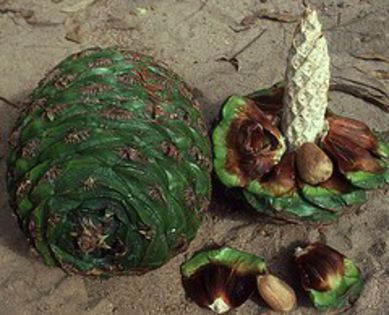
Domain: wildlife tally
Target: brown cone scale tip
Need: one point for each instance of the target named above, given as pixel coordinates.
(222, 278)
(319, 265)
(253, 142)
(219, 287)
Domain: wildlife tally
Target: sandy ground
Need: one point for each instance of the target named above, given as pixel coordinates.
(190, 36)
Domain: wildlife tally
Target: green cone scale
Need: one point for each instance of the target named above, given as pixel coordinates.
(332, 281)
(362, 156)
(221, 278)
(344, 294)
(109, 167)
(230, 257)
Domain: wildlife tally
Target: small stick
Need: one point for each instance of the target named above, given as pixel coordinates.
(8, 102)
(233, 59)
(248, 44)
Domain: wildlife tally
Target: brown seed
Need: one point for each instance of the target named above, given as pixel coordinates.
(276, 293)
(313, 165)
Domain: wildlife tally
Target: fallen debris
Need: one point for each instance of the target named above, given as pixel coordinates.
(372, 56)
(80, 6)
(269, 14)
(233, 60)
(23, 13)
(9, 103)
(116, 23)
(74, 35)
(380, 74)
(375, 73)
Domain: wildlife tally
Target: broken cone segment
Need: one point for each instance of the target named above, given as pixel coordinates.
(221, 279)
(247, 142)
(332, 280)
(267, 172)
(290, 156)
(358, 152)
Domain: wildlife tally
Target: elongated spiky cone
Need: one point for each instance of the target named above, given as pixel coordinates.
(109, 168)
(307, 83)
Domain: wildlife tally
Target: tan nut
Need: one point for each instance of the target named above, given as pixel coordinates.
(276, 293)
(313, 165)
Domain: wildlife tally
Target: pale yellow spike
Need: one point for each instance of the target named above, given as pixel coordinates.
(307, 83)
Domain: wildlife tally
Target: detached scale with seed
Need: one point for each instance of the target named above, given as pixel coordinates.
(109, 167)
(292, 157)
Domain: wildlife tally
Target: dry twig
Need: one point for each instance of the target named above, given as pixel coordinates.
(371, 93)
(202, 6)
(234, 58)
(272, 15)
(9, 103)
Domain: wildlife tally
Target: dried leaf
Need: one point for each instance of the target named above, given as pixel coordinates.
(74, 35)
(79, 6)
(249, 20)
(380, 74)
(26, 14)
(377, 73)
(268, 14)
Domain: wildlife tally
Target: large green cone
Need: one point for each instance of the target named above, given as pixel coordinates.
(109, 167)
(249, 153)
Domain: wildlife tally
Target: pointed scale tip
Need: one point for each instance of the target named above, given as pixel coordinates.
(219, 306)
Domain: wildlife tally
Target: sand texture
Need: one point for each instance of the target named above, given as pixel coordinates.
(190, 36)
